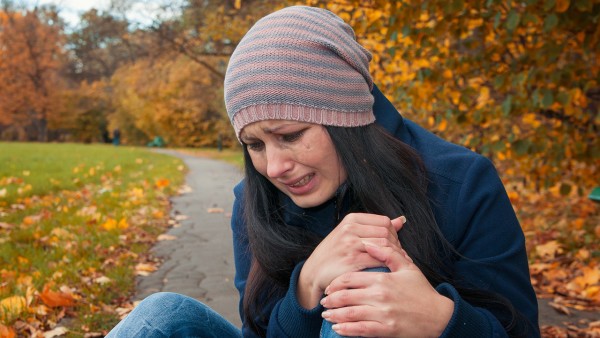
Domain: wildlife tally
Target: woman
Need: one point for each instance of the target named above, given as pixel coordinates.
(352, 220)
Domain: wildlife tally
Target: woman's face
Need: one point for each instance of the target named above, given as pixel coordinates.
(297, 157)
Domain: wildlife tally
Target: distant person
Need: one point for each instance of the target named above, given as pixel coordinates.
(116, 137)
(351, 220)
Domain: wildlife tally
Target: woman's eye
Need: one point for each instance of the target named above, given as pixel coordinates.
(293, 136)
(255, 146)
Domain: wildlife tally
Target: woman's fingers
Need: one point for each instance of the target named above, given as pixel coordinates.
(393, 259)
(398, 223)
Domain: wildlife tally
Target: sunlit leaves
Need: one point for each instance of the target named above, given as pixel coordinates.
(69, 248)
(56, 298)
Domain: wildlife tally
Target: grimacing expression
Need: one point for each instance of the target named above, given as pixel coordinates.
(297, 157)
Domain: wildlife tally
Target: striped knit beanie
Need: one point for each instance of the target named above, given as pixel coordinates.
(299, 63)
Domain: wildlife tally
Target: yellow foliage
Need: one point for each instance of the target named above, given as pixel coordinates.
(109, 224)
(12, 306)
(123, 224)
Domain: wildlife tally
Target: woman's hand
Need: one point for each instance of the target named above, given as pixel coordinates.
(400, 303)
(343, 250)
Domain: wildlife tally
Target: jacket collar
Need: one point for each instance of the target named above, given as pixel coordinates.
(388, 117)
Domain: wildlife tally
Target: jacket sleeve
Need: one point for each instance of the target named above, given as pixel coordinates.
(486, 233)
(287, 317)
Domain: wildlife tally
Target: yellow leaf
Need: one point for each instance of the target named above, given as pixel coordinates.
(158, 214)
(144, 269)
(447, 74)
(550, 249)
(443, 125)
(531, 119)
(431, 121)
(12, 306)
(484, 97)
(110, 224)
(123, 224)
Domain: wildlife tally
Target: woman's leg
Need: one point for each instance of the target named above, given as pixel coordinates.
(167, 314)
(326, 330)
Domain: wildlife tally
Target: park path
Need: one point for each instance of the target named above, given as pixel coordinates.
(199, 261)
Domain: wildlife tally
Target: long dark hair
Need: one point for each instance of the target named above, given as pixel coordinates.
(386, 177)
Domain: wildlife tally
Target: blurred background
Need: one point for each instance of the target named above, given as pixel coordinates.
(517, 81)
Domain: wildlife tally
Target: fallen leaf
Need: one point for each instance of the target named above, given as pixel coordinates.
(162, 183)
(56, 299)
(12, 306)
(184, 190)
(56, 332)
(144, 269)
(7, 332)
(123, 224)
(181, 217)
(560, 308)
(550, 249)
(215, 210)
(6, 226)
(102, 280)
(110, 224)
(165, 237)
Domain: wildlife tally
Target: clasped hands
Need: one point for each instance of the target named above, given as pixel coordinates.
(400, 303)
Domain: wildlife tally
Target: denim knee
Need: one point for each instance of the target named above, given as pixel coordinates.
(168, 314)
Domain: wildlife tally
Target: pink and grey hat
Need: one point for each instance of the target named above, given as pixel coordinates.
(299, 63)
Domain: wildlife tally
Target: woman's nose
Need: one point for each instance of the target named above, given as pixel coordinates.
(278, 162)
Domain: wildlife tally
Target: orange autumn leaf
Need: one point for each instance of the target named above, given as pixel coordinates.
(162, 183)
(550, 249)
(6, 332)
(56, 299)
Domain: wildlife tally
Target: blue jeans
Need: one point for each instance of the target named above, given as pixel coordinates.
(167, 314)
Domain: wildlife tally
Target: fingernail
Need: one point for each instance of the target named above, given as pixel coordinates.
(327, 290)
(335, 327)
(326, 314)
(323, 301)
(403, 219)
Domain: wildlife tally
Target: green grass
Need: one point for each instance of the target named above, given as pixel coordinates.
(72, 214)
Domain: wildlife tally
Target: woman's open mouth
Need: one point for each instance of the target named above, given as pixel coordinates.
(303, 181)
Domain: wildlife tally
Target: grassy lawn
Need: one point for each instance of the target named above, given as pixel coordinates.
(76, 221)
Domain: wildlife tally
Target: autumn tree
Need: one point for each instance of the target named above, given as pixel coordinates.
(30, 64)
(513, 80)
(100, 44)
(174, 98)
(210, 29)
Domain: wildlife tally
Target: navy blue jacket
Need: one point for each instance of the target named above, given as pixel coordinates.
(473, 212)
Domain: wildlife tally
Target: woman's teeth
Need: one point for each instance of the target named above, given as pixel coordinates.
(302, 181)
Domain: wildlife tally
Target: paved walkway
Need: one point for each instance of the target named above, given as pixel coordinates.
(199, 262)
